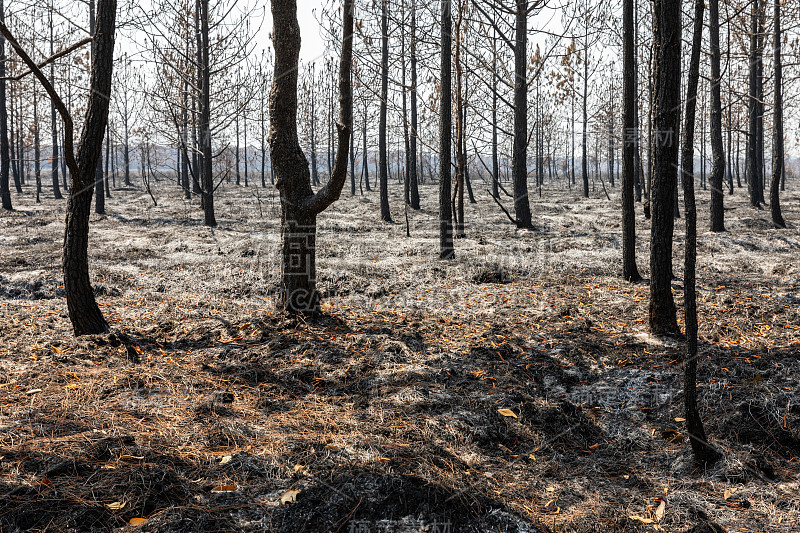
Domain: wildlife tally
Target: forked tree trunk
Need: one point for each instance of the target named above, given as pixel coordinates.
(299, 205)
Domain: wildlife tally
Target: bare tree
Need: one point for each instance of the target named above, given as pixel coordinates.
(299, 205)
(84, 313)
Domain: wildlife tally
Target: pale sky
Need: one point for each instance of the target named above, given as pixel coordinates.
(311, 43)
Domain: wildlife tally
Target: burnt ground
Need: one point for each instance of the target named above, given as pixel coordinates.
(204, 407)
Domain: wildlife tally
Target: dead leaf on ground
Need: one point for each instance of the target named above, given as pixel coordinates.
(507, 412)
(290, 496)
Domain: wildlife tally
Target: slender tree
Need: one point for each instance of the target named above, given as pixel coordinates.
(383, 156)
(778, 163)
(629, 270)
(703, 452)
(446, 250)
(717, 150)
(5, 157)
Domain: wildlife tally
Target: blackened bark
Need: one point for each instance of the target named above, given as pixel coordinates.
(412, 158)
(383, 156)
(446, 250)
(703, 452)
(522, 207)
(667, 41)
(5, 158)
(717, 149)
(299, 205)
(629, 270)
(206, 159)
(778, 163)
(753, 162)
(100, 201)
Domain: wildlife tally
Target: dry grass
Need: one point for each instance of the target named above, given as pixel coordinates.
(389, 404)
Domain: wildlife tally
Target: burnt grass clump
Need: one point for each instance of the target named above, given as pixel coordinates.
(515, 389)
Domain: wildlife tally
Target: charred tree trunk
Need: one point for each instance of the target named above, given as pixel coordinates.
(667, 46)
(778, 163)
(630, 132)
(446, 250)
(412, 158)
(383, 155)
(717, 149)
(694, 424)
(206, 159)
(753, 146)
(522, 207)
(5, 157)
(84, 313)
(299, 205)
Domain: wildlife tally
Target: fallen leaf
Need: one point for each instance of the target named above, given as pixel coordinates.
(384, 459)
(130, 458)
(298, 468)
(679, 419)
(331, 447)
(532, 457)
(641, 519)
(223, 488)
(507, 412)
(730, 492)
(115, 506)
(290, 496)
(225, 460)
(136, 522)
(662, 505)
(34, 391)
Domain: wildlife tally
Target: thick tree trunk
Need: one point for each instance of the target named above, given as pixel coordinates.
(299, 205)
(717, 149)
(446, 250)
(83, 310)
(630, 132)
(667, 37)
